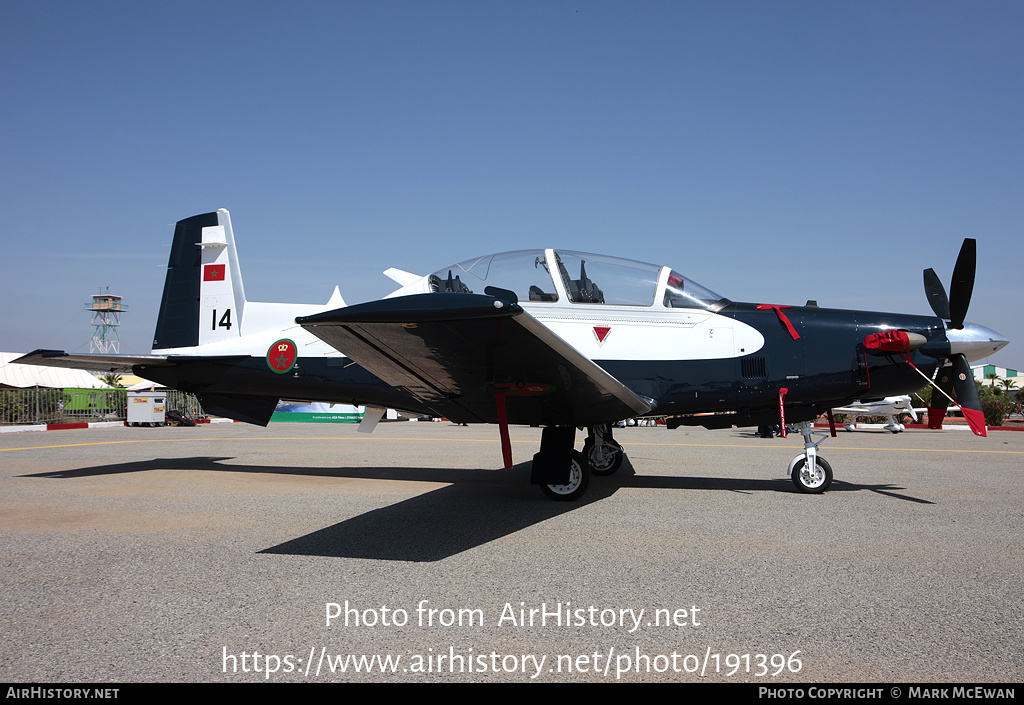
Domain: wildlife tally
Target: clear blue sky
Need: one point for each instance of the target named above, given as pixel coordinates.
(772, 151)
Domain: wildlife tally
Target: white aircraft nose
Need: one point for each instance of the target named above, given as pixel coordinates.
(975, 341)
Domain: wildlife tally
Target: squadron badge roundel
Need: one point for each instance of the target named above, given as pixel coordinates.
(281, 356)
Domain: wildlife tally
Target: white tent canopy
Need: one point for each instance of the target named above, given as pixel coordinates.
(145, 385)
(25, 376)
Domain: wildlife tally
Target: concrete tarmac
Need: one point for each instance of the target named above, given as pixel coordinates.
(308, 552)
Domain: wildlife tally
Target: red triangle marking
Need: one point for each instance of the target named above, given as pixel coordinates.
(602, 332)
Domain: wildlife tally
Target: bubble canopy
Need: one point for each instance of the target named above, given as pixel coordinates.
(564, 276)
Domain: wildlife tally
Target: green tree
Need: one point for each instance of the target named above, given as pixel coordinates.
(112, 378)
(995, 405)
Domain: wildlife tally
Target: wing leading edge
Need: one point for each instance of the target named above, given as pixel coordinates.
(456, 352)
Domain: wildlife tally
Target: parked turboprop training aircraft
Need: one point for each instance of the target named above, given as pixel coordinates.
(549, 337)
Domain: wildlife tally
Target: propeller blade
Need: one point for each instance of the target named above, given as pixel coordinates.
(962, 286)
(936, 294)
(967, 397)
(944, 385)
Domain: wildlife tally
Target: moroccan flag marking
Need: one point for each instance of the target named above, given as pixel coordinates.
(281, 356)
(213, 273)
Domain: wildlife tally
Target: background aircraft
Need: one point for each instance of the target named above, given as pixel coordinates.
(893, 407)
(549, 337)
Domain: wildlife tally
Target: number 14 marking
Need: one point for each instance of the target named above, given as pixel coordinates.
(224, 322)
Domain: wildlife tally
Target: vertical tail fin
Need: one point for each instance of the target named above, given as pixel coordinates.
(203, 299)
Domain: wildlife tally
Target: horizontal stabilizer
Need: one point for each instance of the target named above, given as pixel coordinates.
(401, 277)
(120, 364)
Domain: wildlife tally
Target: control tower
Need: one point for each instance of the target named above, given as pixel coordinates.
(106, 318)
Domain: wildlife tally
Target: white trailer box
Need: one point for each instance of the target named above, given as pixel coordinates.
(146, 408)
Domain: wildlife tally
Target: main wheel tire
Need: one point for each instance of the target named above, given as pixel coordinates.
(579, 478)
(603, 463)
(813, 481)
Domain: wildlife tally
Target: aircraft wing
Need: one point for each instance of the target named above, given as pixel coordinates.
(457, 353)
(120, 364)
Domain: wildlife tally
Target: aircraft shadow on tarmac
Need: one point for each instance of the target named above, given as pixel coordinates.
(473, 508)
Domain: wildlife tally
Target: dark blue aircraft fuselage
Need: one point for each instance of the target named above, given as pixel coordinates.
(825, 366)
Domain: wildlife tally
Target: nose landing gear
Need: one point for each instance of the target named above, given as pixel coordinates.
(811, 474)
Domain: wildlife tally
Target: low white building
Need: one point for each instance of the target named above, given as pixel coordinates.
(982, 372)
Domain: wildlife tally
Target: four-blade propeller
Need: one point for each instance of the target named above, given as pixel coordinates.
(955, 376)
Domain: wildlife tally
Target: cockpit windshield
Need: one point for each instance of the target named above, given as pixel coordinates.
(681, 292)
(582, 278)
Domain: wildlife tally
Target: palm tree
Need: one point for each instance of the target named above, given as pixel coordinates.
(112, 379)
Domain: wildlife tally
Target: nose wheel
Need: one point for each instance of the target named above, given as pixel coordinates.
(811, 479)
(811, 474)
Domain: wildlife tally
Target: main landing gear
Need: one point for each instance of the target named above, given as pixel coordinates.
(603, 454)
(564, 473)
(576, 484)
(810, 473)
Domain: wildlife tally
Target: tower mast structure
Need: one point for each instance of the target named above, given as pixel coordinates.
(106, 318)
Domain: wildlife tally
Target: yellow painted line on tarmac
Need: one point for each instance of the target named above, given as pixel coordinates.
(788, 448)
(825, 448)
(99, 443)
(264, 438)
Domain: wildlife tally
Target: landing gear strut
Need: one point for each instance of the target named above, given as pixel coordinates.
(602, 453)
(810, 473)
